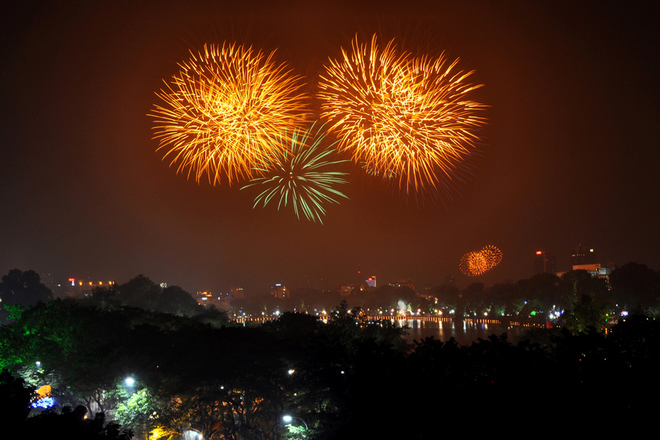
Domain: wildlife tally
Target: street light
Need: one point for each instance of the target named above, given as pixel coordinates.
(192, 434)
(287, 419)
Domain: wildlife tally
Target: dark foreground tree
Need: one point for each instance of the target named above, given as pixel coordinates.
(72, 424)
(15, 417)
(15, 399)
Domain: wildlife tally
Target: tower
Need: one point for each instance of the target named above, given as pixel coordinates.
(544, 263)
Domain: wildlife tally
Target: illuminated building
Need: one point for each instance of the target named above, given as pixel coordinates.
(584, 258)
(596, 270)
(544, 263)
(279, 291)
(206, 299)
(77, 288)
(582, 255)
(221, 300)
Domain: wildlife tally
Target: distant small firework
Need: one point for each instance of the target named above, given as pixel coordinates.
(223, 110)
(303, 177)
(402, 117)
(477, 263)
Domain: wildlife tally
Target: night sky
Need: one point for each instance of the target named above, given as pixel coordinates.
(569, 154)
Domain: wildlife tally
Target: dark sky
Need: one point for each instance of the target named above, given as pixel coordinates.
(570, 152)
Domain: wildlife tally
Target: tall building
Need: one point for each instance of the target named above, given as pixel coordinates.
(544, 263)
(279, 291)
(582, 255)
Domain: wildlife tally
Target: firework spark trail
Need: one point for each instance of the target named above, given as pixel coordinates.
(302, 177)
(406, 118)
(222, 113)
(477, 263)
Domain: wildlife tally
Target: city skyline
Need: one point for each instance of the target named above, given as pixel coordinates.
(566, 157)
(59, 285)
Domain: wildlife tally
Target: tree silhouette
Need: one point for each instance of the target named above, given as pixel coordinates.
(22, 288)
(636, 287)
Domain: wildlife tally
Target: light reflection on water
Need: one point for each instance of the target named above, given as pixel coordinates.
(465, 333)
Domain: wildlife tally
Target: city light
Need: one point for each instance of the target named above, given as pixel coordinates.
(44, 398)
(192, 434)
(288, 420)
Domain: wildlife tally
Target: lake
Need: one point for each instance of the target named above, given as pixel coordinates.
(464, 332)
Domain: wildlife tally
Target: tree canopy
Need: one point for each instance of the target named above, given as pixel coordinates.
(344, 377)
(23, 289)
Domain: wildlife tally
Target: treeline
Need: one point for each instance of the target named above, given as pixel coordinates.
(20, 289)
(342, 379)
(584, 300)
(633, 287)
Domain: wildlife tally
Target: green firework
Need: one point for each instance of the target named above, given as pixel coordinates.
(304, 177)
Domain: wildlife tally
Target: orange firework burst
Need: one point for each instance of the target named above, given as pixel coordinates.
(225, 110)
(406, 118)
(477, 263)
